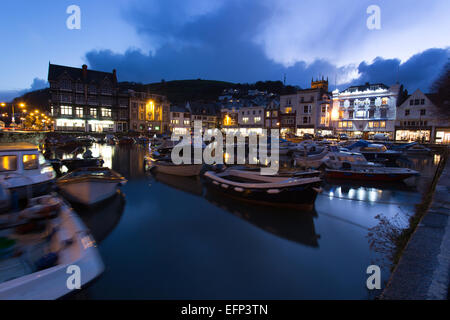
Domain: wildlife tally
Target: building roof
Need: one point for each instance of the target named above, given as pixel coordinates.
(366, 86)
(80, 74)
(200, 108)
(178, 109)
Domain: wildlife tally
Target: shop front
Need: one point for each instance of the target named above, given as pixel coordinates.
(442, 135)
(413, 134)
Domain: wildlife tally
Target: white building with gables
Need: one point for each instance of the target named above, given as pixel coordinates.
(362, 111)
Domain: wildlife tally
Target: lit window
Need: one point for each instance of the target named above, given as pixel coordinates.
(245, 119)
(257, 119)
(383, 124)
(79, 112)
(30, 161)
(106, 112)
(8, 163)
(268, 114)
(93, 112)
(66, 110)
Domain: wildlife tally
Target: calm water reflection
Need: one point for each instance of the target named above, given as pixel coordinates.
(171, 238)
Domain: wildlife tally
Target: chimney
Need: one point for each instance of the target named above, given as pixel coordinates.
(114, 74)
(84, 71)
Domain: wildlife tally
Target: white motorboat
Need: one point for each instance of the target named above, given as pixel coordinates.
(89, 186)
(310, 160)
(41, 248)
(24, 170)
(337, 159)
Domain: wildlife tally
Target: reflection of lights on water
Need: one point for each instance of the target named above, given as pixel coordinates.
(436, 159)
(361, 193)
(339, 191)
(226, 156)
(373, 195)
(351, 193)
(104, 151)
(331, 194)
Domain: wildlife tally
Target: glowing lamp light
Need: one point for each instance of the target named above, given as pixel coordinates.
(334, 114)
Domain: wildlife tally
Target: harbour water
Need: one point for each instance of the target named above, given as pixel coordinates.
(168, 237)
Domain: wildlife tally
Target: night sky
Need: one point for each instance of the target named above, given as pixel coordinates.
(231, 40)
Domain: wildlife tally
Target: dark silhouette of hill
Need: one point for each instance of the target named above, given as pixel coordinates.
(177, 91)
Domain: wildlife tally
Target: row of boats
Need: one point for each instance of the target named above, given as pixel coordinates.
(41, 236)
(66, 141)
(286, 188)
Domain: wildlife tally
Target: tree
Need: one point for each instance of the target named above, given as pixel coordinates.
(441, 90)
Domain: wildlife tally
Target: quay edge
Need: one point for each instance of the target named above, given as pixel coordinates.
(423, 271)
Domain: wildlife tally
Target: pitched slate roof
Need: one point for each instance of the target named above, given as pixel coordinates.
(210, 109)
(76, 74)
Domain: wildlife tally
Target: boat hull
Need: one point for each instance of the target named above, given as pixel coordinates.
(367, 176)
(302, 196)
(179, 170)
(88, 192)
(51, 283)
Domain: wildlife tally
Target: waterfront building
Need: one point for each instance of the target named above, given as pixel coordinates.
(229, 117)
(83, 100)
(312, 108)
(365, 110)
(180, 120)
(419, 119)
(208, 113)
(251, 118)
(148, 112)
(272, 115)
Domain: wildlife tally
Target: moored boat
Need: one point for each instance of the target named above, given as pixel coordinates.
(374, 152)
(167, 167)
(89, 186)
(39, 247)
(269, 190)
(380, 174)
(24, 170)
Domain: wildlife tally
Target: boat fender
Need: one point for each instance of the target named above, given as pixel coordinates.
(225, 186)
(238, 189)
(318, 190)
(216, 183)
(273, 191)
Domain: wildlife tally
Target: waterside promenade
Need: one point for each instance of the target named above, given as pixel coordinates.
(423, 270)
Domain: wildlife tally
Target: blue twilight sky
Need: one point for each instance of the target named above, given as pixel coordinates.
(232, 40)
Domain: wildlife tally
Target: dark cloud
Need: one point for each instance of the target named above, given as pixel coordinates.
(419, 71)
(220, 45)
(9, 95)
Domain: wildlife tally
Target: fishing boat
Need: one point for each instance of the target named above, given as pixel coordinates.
(39, 247)
(24, 170)
(268, 190)
(89, 186)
